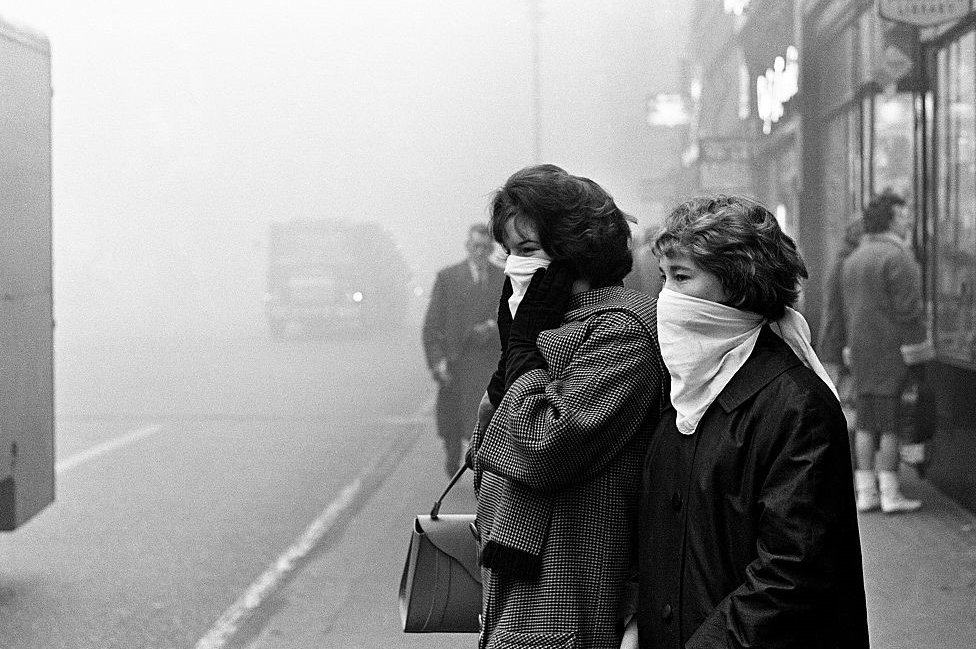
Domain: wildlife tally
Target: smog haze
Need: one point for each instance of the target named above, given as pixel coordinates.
(181, 131)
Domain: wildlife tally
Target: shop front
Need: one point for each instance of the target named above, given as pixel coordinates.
(850, 98)
(949, 186)
(770, 47)
(860, 94)
(888, 101)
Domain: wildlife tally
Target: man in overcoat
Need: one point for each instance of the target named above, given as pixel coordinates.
(460, 339)
(886, 334)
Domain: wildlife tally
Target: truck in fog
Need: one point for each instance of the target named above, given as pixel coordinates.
(26, 317)
(327, 275)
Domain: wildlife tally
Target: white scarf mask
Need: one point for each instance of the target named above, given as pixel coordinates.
(520, 270)
(705, 343)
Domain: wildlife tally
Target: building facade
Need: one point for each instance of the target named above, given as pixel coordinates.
(848, 98)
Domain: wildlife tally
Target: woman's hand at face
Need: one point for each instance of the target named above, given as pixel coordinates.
(546, 299)
(543, 307)
(504, 318)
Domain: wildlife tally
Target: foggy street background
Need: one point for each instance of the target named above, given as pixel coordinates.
(194, 449)
(181, 130)
(237, 447)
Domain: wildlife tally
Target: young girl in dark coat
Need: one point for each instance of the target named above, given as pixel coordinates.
(748, 529)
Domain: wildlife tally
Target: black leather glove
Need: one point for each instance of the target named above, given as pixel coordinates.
(543, 307)
(496, 386)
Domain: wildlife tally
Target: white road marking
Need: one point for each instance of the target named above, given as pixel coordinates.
(106, 447)
(421, 415)
(226, 625)
(265, 586)
(405, 421)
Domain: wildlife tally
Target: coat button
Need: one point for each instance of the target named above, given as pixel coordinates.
(676, 501)
(666, 612)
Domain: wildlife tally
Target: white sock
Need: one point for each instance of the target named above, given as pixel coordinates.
(864, 480)
(888, 481)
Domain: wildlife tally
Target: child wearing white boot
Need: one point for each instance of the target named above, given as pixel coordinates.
(885, 334)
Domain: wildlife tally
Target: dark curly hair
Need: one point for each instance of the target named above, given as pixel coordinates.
(880, 212)
(740, 242)
(576, 220)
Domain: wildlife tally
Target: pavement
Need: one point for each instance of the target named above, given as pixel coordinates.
(920, 569)
(920, 572)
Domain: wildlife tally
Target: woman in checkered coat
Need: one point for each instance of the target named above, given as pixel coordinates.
(566, 419)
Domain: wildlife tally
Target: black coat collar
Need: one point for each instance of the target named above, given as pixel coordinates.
(770, 358)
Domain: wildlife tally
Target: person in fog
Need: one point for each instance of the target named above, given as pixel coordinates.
(460, 343)
(565, 420)
(748, 530)
(885, 331)
(831, 341)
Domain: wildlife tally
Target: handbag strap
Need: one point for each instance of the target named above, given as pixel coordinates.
(435, 510)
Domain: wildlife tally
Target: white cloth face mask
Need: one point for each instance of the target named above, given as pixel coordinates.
(704, 344)
(520, 270)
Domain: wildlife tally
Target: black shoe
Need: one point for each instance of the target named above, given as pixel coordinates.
(919, 467)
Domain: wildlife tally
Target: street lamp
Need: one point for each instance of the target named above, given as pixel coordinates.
(535, 19)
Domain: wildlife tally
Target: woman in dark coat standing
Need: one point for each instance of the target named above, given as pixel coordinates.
(748, 529)
(566, 420)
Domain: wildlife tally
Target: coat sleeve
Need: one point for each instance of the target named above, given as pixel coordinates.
(807, 532)
(435, 323)
(905, 295)
(552, 432)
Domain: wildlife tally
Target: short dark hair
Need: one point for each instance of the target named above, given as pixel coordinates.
(576, 220)
(881, 211)
(741, 243)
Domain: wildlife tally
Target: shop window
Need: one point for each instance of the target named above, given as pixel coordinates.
(867, 150)
(954, 281)
(838, 70)
(868, 53)
(837, 199)
(893, 154)
(853, 195)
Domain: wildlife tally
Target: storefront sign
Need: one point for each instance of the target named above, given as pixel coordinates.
(776, 87)
(668, 110)
(923, 12)
(736, 7)
(723, 149)
(724, 165)
(900, 57)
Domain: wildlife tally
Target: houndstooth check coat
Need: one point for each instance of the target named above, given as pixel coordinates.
(558, 474)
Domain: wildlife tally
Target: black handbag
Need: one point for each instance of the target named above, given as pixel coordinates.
(919, 416)
(440, 590)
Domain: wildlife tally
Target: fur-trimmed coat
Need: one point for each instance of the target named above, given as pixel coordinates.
(558, 474)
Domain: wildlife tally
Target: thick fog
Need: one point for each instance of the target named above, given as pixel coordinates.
(182, 129)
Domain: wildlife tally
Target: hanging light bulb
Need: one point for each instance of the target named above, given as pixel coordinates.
(735, 7)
